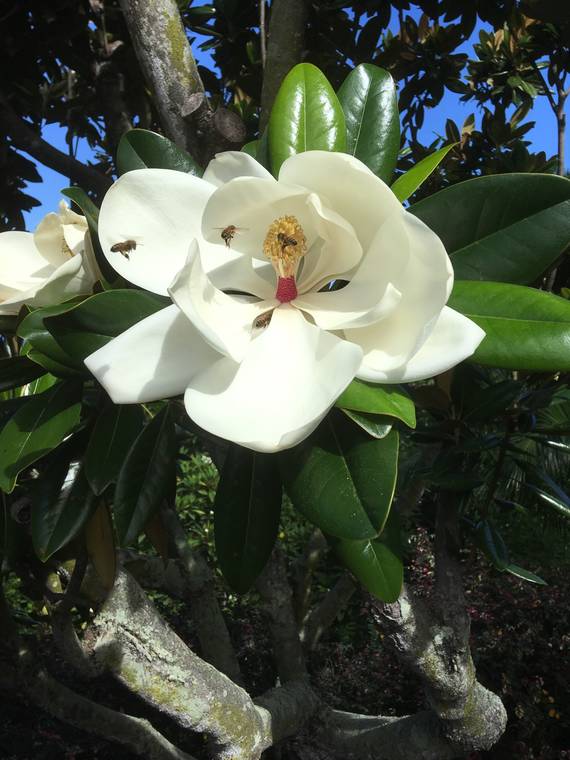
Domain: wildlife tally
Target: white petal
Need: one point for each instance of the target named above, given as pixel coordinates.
(161, 210)
(346, 186)
(417, 264)
(225, 322)
(231, 164)
(154, 359)
(21, 264)
(356, 305)
(336, 251)
(68, 280)
(49, 240)
(453, 339)
(290, 377)
(252, 204)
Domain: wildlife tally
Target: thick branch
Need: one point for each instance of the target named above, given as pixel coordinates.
(24, 138)
(303, 571)
(166, 60)
(129, 638)
(198, 584)
(285, 48)
(274, 587)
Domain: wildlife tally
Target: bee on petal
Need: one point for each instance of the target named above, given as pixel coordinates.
(124, 247)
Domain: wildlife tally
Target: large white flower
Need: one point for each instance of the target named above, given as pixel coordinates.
(284, 291)
(47, 266)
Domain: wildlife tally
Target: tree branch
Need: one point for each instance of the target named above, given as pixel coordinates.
(285, 48)
(167, 63)
(273, 585)
(130, 639)
(215, 642)
(24, 138)
(326, 612)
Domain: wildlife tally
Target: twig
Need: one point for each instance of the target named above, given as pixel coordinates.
(262, 33)
(326, 612)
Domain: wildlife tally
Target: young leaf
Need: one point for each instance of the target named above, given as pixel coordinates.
(341, 479)
(376, 425)
(525, 329)
(494, 227)
(142, 149)
(390, 400)
(369, 100)
(408, 183)
(36, 429)
(113, 435)
(246, 515)
(306, 115)
(146, 477)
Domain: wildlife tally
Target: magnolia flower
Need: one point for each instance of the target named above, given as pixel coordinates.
(47, 266)
(284, 291)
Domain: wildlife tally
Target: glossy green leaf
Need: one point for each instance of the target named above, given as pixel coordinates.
(377, 564)
(376, 425)
(36, 429)
(369, 100)
(391, 400)
(525, 329)
(113, 435)
(246, 515)
(146, 477)
(492, 543)
(17, 371)
(251, 148)
(306, 115)
(341, 479)
(58, 516)
(560, 505)
(407, 184)
(504, 228)
(142, 149)
(94, 322)
(40, 346)
(525, 575)
(91, 213)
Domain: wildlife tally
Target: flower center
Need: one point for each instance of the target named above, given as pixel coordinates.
(285, 245)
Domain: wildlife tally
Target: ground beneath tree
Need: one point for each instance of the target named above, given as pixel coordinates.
(520, 640)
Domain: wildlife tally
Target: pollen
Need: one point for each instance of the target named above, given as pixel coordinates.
(285, 245)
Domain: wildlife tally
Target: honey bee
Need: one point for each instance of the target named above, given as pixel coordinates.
(285, 240)
(229, 233)
(124, 247)
(264, 319)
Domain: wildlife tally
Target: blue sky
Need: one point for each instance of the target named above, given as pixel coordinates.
(542, 136)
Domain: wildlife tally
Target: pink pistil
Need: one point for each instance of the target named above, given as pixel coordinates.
(286, 289)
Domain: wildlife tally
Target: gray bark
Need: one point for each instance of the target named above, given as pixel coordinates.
(167, 63)
(198, 585)
(285, 47)
(326, 612)
(130, 639)
(275, 590)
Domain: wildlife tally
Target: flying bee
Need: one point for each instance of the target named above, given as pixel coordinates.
(285, 240)
(264, 319)
(124, 247)
(228, 233)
